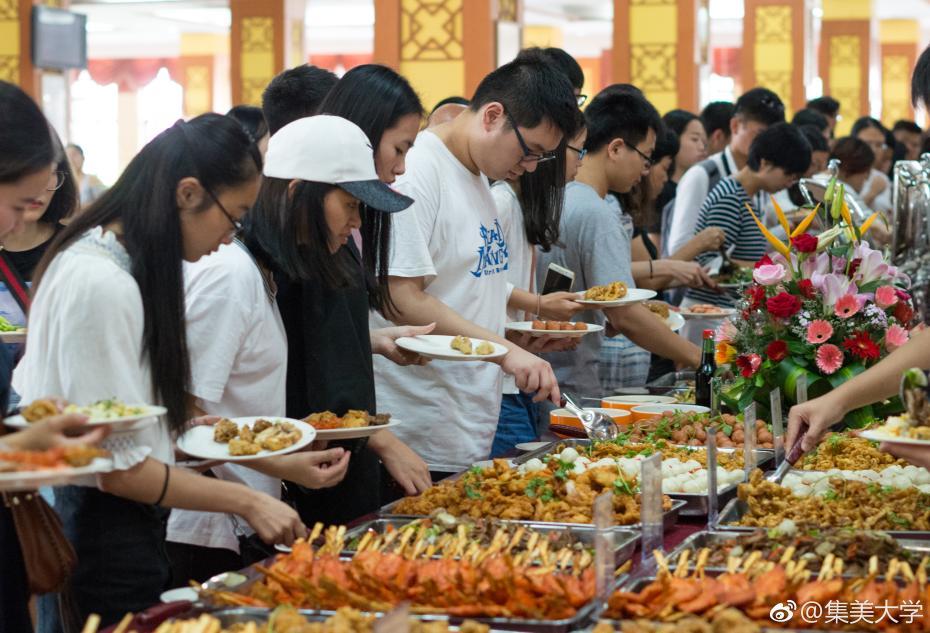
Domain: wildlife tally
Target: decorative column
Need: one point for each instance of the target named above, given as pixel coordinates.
(845, 54)
(196, 70)
(775, 34)
(899, 45)
(425, 41)
(656, 49)
(264, 41)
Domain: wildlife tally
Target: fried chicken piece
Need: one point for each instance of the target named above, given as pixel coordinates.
(225, 430)
(324, 421)
(380, 419)
(610, 292)
(39, 410)
(278, 437)
(484, 348)
(239, 447)
(354, 419)
(462, 344)
(659, 308)
(82, 454)
(246, 433)
(261, 425)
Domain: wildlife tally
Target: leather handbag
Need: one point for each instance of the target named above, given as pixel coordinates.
(48, 557)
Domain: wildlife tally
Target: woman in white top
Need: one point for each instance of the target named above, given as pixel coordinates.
(876, 191)
(107, 320)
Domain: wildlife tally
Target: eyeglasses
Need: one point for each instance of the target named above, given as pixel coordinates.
(582, 99)
(581, 152)
(57, 180)
(236, 224)
(647, 160)
(528, 155)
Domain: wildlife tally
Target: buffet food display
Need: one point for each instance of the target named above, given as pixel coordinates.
(353, 418)
(690, 428)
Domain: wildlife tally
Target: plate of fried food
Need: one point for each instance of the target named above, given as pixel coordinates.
(672, 319)
(707, 311)
(111, 411)
(244, 439)
(442, 347)
(354, 424)
(554, 329)
(613, 294)
(28, 470)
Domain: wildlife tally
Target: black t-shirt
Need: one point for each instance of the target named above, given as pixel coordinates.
(25, 262)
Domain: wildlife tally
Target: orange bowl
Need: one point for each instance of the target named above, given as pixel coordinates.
(652, 411)
(564, 417)
(628, 403)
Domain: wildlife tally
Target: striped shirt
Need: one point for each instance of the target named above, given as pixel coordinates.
(725, 207)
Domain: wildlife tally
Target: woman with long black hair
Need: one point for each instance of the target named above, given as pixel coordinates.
(325, 298)
(107, 320)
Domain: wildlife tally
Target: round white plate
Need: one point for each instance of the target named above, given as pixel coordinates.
(877, 436)
(198, 441)
(674, 321)
(18, 336)
(355, 432)
(33, 479)
(724, 313)
(633, 295)
(149, 415)
(531, 446)
(527, 327)
(438, 346)
(180, 594)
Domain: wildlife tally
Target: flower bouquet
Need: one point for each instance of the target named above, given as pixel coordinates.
(826, 306)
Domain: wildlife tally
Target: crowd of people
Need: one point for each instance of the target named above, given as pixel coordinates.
(266, 261)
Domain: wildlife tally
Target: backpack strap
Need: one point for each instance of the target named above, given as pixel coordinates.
(14, 281)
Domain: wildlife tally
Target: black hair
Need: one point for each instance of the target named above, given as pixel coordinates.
(866, 122)
(855, 155)
(827, 106)
(67, 199)
(667, 144)
(678, 120)
(716, 116)
(289, 230)
(26, 144)
(619, 113)
(531, 92)
(77, 148)
(906, 126)
(251, 119)
(454, 99)
(216, 151)
(783, 145)
(374, 98)
(815, 137)
(898, 153)
(809, 116)
(760, 105)
(295, 93)
(920, 80)
(560, 59)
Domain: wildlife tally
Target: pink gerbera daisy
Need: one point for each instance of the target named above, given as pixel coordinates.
(819, 331)
(829, 358)
(846, 306)
(895, 337)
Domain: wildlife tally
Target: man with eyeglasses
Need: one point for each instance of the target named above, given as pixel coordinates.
(755, 111)
(595, 244)
(449, 260)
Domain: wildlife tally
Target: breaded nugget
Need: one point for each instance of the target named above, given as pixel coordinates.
(39, 410)
(462, 344)
(225, 430)
(261, 425)
(484, 348)
(239, 447)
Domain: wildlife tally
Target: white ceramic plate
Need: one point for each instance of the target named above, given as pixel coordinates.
(531, 446)
(633, 295)
(33, 479)
(198, 441)
(876, 435)
(355, 432)
(675, 321)
(18, 336)
(724, 313)
(438, 346)
(527, 327)
(149, 415)
(180, 594)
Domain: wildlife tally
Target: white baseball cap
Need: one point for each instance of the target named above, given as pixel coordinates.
(330, 149)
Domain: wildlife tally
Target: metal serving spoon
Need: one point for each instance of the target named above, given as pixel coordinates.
(597, 425)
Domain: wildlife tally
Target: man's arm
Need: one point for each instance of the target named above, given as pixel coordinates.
(641, 326)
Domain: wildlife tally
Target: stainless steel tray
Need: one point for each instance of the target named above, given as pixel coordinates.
(625, 540)
(763, 455)
(736, 509)
(669, 518)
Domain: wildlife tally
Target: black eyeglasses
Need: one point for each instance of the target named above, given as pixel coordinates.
(236, 224)
(647, 160)
(581, 152)
(581, 99)
(528, 155)
(57, 180)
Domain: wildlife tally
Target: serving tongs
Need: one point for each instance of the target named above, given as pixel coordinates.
(597, 425)
(915, 395)
(790, 459)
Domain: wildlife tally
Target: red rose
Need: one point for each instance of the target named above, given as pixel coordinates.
(756, 295)
(748, 364)
(862, 346)
(854, 266)
(765, 261)
(777, 350)
(804, 243)
(904, 313)
(783, 305)
(806, 288)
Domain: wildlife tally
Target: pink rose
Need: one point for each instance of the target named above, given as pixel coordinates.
(769, 274)
(886, 296)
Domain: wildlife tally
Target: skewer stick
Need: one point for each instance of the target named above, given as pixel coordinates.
(624, 568)
(788, 555)
(123, 625)
(922, 572)
(752, 560)
(682, 564)
(93, 622)
(827, 565)
(873, 565)
(315, 533)
(907, 571)
(661, 561)
(703, 556)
